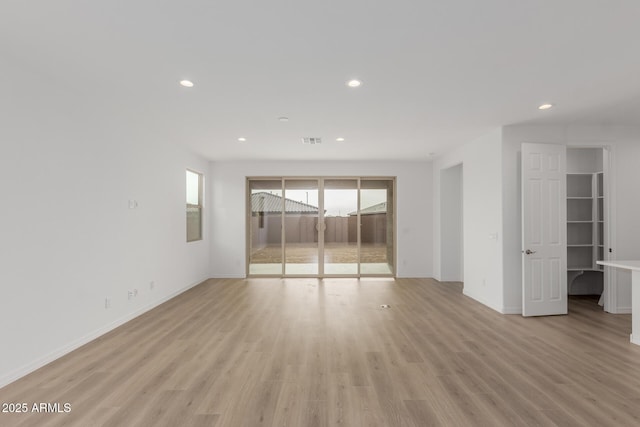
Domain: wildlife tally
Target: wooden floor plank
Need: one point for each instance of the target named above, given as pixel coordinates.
(309, 352)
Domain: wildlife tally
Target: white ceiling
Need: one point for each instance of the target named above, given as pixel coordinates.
(436, 73)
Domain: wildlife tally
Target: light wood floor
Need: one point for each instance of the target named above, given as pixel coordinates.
(308, 352)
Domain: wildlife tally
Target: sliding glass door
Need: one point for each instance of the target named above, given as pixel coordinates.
(301, 215)
(265, 227)
(340, 227)
(376, 226)
(316, 227)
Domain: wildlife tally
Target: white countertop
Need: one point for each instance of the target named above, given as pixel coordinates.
(629, 265)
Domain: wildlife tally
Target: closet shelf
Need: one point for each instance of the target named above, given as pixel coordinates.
(584, 216)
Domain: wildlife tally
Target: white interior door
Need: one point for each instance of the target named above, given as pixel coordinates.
(544, 230)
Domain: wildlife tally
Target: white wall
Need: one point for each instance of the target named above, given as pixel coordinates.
(451, 224)
(482, 216)
(584, 160)
(414, 211)
(67, 170)
(624, 174)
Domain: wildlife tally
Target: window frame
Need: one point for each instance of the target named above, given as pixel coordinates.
(198, 206)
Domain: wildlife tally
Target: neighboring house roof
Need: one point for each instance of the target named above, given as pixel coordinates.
(271, 203)
(372, 210)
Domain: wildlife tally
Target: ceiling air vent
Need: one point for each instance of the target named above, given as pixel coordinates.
(311, 140)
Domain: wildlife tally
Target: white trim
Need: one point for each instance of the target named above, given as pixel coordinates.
(610, 200)
(399, 276)
(75, 344)
(511, 310)
(623, 310)
(481, 301)
(233, 276)
(637, 342)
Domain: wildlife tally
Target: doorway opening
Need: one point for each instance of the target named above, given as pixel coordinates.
(587, 223)
(321, 226)
(565, 226)
(451, 225)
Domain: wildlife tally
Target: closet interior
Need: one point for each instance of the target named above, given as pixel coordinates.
(585, 221)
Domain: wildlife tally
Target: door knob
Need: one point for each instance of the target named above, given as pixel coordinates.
(529, 252)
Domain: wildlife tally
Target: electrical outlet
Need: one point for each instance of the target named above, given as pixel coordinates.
(135, 292)
(152, 285)
(130, 294)
(107, 302)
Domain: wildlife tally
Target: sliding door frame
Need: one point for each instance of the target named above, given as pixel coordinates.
(321, 224)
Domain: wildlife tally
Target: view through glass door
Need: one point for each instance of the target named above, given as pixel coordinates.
(376, 226)
(301, 225)
(341, 252)
(316, 227)
(265, 227)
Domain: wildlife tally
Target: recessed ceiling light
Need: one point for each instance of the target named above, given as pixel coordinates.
(341, 139)
(186, 83)
(354, 83)
(283, 119)
(242, 139)
(545, 106)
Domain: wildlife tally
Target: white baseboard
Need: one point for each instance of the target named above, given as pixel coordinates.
(512, 310)
(68, 348)
(636, 342)
(228, 276)
(623, 310)
(481, 300)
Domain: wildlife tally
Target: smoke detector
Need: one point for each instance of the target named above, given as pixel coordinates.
(311, 140)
